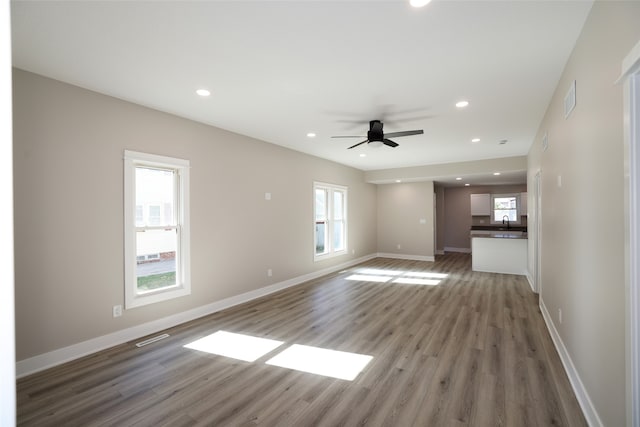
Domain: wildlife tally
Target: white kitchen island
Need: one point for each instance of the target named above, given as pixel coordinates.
(499, 252)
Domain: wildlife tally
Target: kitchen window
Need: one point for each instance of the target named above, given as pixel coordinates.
(505, 209)
(156, 228)
(330, 220)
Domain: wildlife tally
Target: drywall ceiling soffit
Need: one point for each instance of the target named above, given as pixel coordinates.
(511, 170)
(278, 70)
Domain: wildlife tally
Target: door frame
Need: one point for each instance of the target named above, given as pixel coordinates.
(537, 238)
(631, 93)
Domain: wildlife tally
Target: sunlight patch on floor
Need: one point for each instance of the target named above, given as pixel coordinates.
(321, 361)
(236, 346)
(369, 278)
(378, 272)
(423, 278)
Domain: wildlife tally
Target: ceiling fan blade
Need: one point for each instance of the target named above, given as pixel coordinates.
(359, 143)
(389, 142)
(350, 136)
(404, 133)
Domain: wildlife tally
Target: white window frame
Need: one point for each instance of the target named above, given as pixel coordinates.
(500, 196)
(134, 298)
(330, 188)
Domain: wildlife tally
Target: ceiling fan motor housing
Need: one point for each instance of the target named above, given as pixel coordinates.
(375, 131)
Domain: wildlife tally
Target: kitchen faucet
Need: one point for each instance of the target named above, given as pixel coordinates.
(503, 217)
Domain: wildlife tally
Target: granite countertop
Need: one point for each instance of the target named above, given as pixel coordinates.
(499, 228)
(499, 235)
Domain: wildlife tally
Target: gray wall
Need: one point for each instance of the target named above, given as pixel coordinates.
(583, 220)
(400, 209)
(68, 173)
(457, 212)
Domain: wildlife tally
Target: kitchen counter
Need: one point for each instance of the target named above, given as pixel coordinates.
(522, 228)
(499, 252)
(499, 235)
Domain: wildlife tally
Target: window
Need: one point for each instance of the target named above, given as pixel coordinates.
(505, 207)
(330, 220)
(156, 230)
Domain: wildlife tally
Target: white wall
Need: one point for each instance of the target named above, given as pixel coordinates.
(583, 212)
(7, 338)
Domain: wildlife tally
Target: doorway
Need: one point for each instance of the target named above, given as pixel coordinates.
(537, 232)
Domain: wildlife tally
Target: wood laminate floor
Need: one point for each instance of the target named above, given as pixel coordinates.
(472, 350)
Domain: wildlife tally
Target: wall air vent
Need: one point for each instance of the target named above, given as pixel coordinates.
(570, 100)
(152, 340)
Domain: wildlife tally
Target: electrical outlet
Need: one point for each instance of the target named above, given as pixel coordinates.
(399, 246)
(353, 251)
(269, 272)
(117, 310)
(560, 315)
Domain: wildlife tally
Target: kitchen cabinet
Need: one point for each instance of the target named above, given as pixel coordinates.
(481, 204)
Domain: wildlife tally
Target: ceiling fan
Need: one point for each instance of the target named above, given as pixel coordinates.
(376, 134)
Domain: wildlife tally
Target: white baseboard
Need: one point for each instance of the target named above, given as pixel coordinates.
(589, 411)
(463, 250)
(56, 357)
(440, 252)
(530, 280)
(405, 256)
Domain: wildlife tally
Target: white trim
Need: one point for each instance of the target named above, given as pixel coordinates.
(53, 358)
(504, 196)
(630, 63)
(329, 212)
(440, 252)
(634, 251)
(589, 411)
(405, 256)
(7, 274)
(133, 159)
(630, 77)
(462, 250)
(530, 280)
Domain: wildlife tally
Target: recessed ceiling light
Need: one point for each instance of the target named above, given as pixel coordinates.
(466, 185)
(496, 173)
(363, 155)
(503, 141)
(311, 135)
(398, 180)
(475, 140)
(203, 92)
(419, 3)
(462, 104)
(458, 179)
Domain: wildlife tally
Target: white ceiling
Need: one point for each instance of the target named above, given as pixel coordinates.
(280, 69)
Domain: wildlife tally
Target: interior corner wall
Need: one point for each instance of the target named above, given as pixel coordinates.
(68, 185)
(583, 215)
(406, 219)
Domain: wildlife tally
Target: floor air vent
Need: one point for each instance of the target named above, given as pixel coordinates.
(152, 340)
